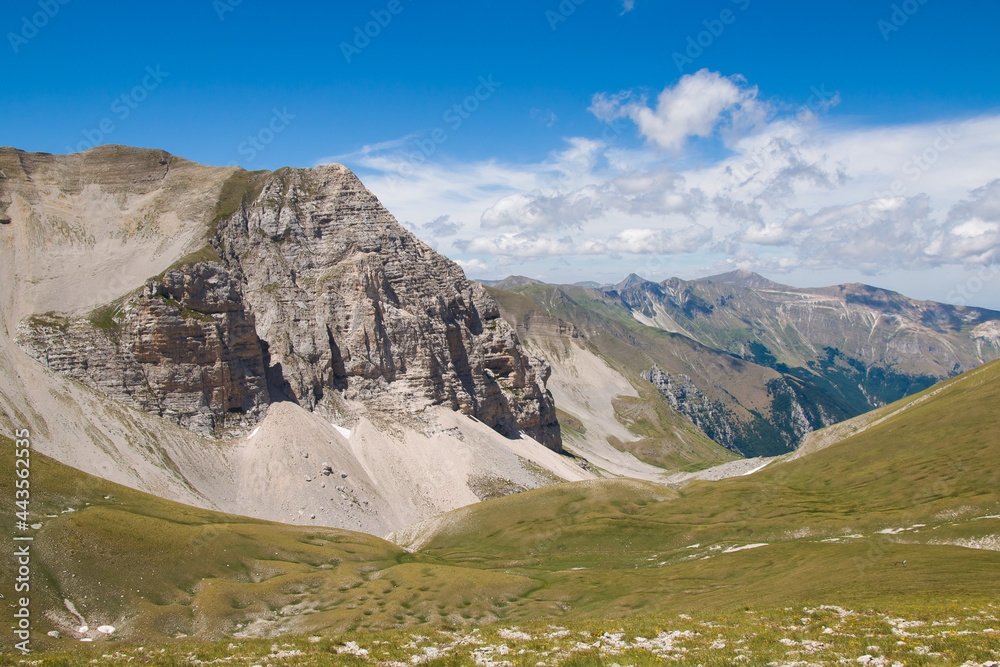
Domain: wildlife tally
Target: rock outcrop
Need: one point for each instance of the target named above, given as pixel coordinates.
(789, 417)
(683, 396)
(184, 347)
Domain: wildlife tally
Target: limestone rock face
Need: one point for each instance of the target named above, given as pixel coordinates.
(184, 348)
(348, 301)
(309, 291)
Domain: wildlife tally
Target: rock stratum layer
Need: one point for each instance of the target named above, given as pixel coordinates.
(185, 348)
(347, 300)
(307, 290)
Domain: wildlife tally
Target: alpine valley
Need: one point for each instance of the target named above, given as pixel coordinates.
(259, 407)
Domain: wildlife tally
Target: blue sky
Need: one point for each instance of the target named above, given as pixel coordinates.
(814, 142)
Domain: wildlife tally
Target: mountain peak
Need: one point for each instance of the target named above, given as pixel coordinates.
(630, 281)
(516, 282)
(743, 278)
(240, 300)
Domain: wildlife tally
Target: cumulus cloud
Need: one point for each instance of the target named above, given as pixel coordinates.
(699, 105)
(880, 235)
(872, 236)
(659, 241)
(656, 193)
(627, 6)
(608, 107)
(777, 188)
(538, 211)
(520, 245)
(631, 241)
(473, 267)
(971, 233)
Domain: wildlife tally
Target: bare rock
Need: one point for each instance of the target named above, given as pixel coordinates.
(311, 290)
(348, 301)
(184, 347)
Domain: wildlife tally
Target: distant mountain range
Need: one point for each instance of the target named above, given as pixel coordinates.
(753, 363)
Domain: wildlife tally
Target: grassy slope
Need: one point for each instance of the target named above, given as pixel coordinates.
(599, 549)
(941, 635)
(158, 569)
(933, 464)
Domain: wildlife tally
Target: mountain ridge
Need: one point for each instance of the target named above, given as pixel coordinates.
(743, 278)
(835, 352)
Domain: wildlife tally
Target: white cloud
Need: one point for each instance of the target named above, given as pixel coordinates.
(659, 241)
(367, 150)
(547, 117)
(473, 267)
(521, 245)
(631, 241)
(627, 6)
(609, 107)
(971, 233)
(698, 106)
(790, 189)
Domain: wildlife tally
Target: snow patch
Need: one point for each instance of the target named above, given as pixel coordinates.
(745, 546)
(753, 470)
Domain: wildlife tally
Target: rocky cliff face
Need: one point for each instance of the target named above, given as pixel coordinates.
(348, 301)
(683, 396)
(184, 347)
(790, 416)
(308, 291)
